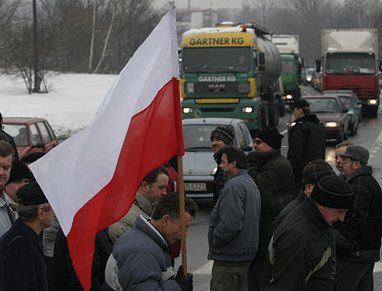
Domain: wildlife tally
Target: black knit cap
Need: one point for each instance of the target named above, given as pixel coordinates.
(333, 192)
(19, 171)
(31, 194)
(226, 133)
(272, 137)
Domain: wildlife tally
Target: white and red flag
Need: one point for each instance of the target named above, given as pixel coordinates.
(91, 179)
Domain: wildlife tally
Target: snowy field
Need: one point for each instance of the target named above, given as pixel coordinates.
(70, 105)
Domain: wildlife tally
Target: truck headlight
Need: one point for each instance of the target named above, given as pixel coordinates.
(243, 88)
(332, 124)
(190, 87)
(188, 110)
(372, 102)
(289, 97)
(248, 109)
(309, 79)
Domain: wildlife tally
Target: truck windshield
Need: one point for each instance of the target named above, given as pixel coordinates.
(287, 66)
(213, 60)
(350, 63)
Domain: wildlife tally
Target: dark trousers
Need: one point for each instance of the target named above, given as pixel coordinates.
(229, 276)
(256, 275)
(354, 276)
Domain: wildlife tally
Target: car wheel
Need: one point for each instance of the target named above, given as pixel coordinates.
(356, 129)
(340, 137)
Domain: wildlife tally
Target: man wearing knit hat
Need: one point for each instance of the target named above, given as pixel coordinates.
(273, 175)
(359, 239)
(22, 265)
(220, 137)
(20, 176)
(301, 253)
(306, 140)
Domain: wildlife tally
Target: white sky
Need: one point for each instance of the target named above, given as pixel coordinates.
(204, 3)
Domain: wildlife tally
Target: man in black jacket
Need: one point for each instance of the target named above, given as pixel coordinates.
(301, 253)
(306, 140)
(220, 137)
(359, 239)
(273, 175)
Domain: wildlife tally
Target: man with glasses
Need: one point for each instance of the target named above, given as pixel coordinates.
(22, 265)
(273, 175)
(340, 149)
(359, 238)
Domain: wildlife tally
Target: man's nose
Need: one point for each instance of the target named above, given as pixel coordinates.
(341, 217)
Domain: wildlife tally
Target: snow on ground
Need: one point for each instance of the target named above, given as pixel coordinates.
(70, 105)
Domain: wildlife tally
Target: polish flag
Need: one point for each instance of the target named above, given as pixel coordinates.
(91, 179)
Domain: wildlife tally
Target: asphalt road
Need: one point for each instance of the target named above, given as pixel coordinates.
(369, 136)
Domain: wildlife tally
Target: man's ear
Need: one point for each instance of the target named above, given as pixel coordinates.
(144, 186)
(40, 211)
(234, 164)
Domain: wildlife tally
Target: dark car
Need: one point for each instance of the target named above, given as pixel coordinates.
(199, 165)
(332, 115)
(350, 100)
(31, 134)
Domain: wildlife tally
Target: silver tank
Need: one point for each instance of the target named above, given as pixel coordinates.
(272, 60)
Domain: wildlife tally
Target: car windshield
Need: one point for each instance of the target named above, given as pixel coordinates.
(346, 101)
(350, 63)
(197, 137)
(211, 60)
(18, 132)
(323, 105)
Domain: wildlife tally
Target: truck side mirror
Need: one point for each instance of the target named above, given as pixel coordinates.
(261, 61)
(318, 66)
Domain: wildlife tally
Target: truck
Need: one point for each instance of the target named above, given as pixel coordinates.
(291, 71)
(231, 71)
(349, 60)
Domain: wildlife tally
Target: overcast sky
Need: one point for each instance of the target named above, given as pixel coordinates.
(204, 3)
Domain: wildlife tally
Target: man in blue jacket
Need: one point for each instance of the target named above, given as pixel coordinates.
(22, 265)
(233, 233)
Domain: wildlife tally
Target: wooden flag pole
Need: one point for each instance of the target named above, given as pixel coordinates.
(182, 214)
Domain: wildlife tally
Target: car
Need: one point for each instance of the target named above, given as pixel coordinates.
(351, 102)
(332, 114)
(31, 134)
(199, 165)
(307, 76)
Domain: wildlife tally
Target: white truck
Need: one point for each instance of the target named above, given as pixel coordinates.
(349, 60)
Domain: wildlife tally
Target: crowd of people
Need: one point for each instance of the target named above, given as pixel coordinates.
(278, 223)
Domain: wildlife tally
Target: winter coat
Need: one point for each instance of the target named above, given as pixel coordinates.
(141, 261)
(6, 137)
(65, 276)
(233, 232)
(22, 265)
(273, 175)
(6, 216)
(141, 206)
(306, 143)
(219, 178)
(301, 253)
(361, 231)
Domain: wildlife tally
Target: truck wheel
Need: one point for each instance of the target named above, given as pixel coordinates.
(273, 114)
(373, 111)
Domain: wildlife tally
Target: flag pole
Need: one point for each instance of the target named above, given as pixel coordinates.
(182, 214)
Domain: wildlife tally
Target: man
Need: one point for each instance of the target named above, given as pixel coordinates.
(340, 149)
(234, 224)
(6, 137)
(220, 137)
(6, 217)
(152, 188)
(359, 240)
(22, 265)
(273, 175)
(20, 175)
(141, 259)
(301, 253)
(306, 140)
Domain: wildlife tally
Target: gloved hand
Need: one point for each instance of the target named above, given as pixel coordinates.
(185, 282)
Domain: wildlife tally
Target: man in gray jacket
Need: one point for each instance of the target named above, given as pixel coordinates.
(6, 216)
(233, 233)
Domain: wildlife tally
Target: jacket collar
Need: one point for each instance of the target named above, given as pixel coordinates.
(28, 232)
(314, 214)
(144, 204)
(368, 170)
(308, 117)
(145, 226)
(239, 173)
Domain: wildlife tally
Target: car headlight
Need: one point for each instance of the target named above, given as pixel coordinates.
(291, 124)
(289, 97)
(309, 79)
(190, 87)
(372, 102)
(188, 110)
(213, 171)
(243, 88)
(248, 109)
(332, 124)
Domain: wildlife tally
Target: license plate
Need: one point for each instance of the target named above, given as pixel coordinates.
(198, 187)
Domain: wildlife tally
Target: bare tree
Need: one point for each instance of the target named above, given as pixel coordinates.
(95, 8)
(263, 8)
